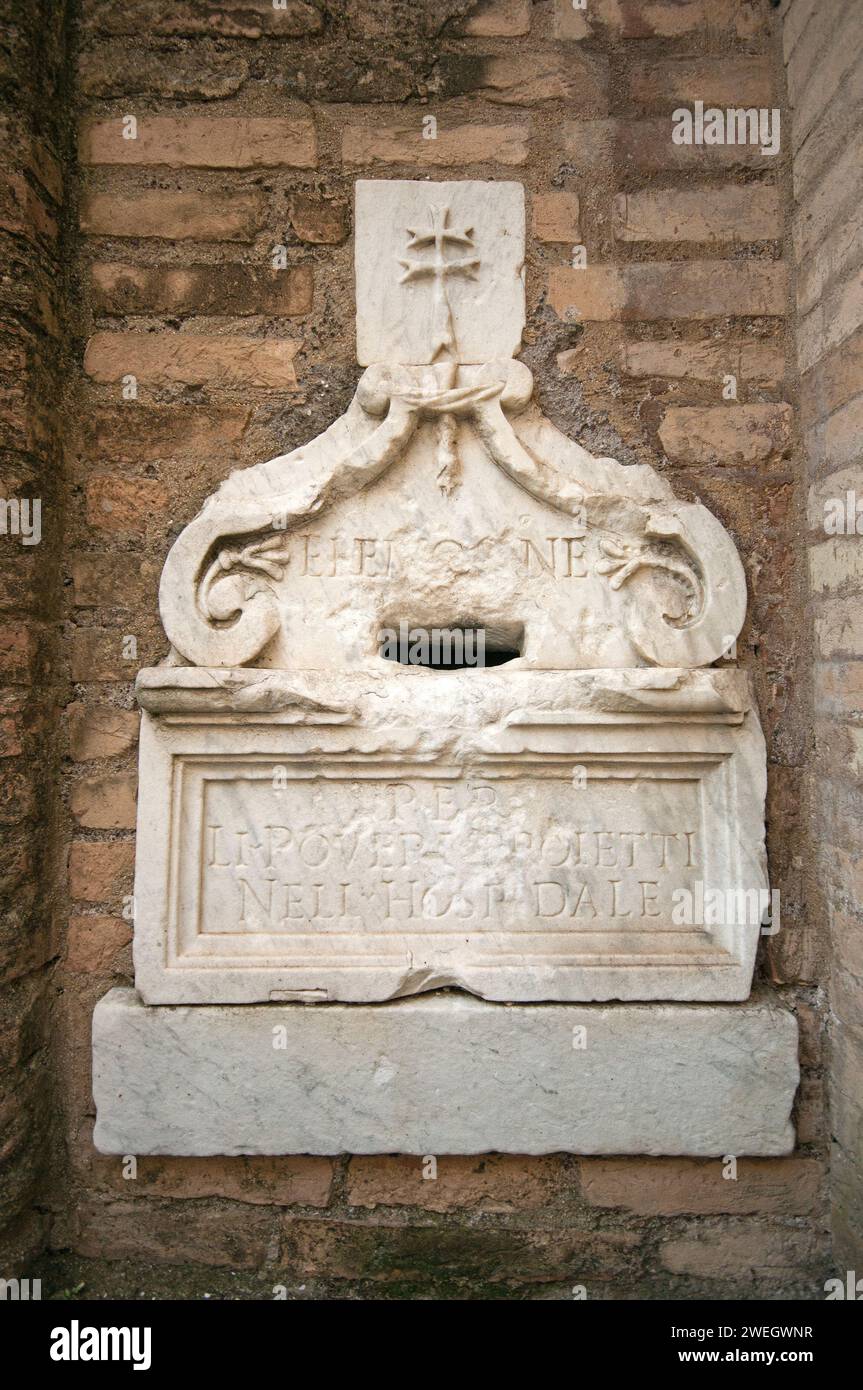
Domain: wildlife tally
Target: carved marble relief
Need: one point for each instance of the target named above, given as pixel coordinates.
(319, 822)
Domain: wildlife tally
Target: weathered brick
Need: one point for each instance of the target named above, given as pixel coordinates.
(683, 1186)
(836, 379)
(95, 655)
(100, 731)
(730, 435)
(201, 216)
(123, 505)
(839, 628)
(278, 1182)
(242, 19)
(528, 78)
(751, 213)
(43, 164)
(837, 440)
(388, 1250)
(500, 1182)
(201, 289)
(100, 870)
(835, 256)
(833, 320)
(839, 688)
(834, 129)
(23, 212)
(496, 19)
(744, 1255)
(93, 943)
(823, 77)
(815, 214)
(141, 432)
(108, 580)
(647, 19)
(116, 68)
(12, 735)
(836, 564)
(809, 1119)
(17, 796)
(646, 147)
(18, 648)
(668, 290)
(555, 217)
(192, 359)
(796, 15)
(204, 142)
(455, 145)
(740, 81)
(233, 1235)
(105, 803)
(320, 221)
(756, 363)
(846, 933)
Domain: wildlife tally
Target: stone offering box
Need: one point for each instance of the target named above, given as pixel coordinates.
(332, 819)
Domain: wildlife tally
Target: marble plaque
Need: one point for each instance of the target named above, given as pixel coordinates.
(459, 251)
(532, 849)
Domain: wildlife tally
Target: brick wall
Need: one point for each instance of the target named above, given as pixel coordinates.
(823, 52)
(252, 125)
(33, 368)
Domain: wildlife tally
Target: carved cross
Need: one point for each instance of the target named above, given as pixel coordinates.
(438, 267)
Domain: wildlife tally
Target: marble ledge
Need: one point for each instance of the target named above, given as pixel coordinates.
(444, 1073)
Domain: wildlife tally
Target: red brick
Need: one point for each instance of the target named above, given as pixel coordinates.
(100, 870)
(101, 731)
(646, 147)
(837, 379)
(810, 1116)
(526, 79)
(242, 19)
(392, 1250)
(105, 803)
(680, 1186)
(744, 1255)
(93, 943)
(95, 655)
(124, 505)
(750, 213)
(201, 289)
(104, 581)
(117, 68)
(12, 733)
(491, 1183)
(668, 290)
(232, 1235)
(756, 363)
(276, 1182)
(140, 432)
(200, 216)
(555, 217)
(204, 142)
(320, 221)
(738, 81)
(455, 145)
(160, 359)
(729, 435)
(647, 19)
(493, 19)
(18, 647)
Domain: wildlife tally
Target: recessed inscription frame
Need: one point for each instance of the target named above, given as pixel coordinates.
(359, 856)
